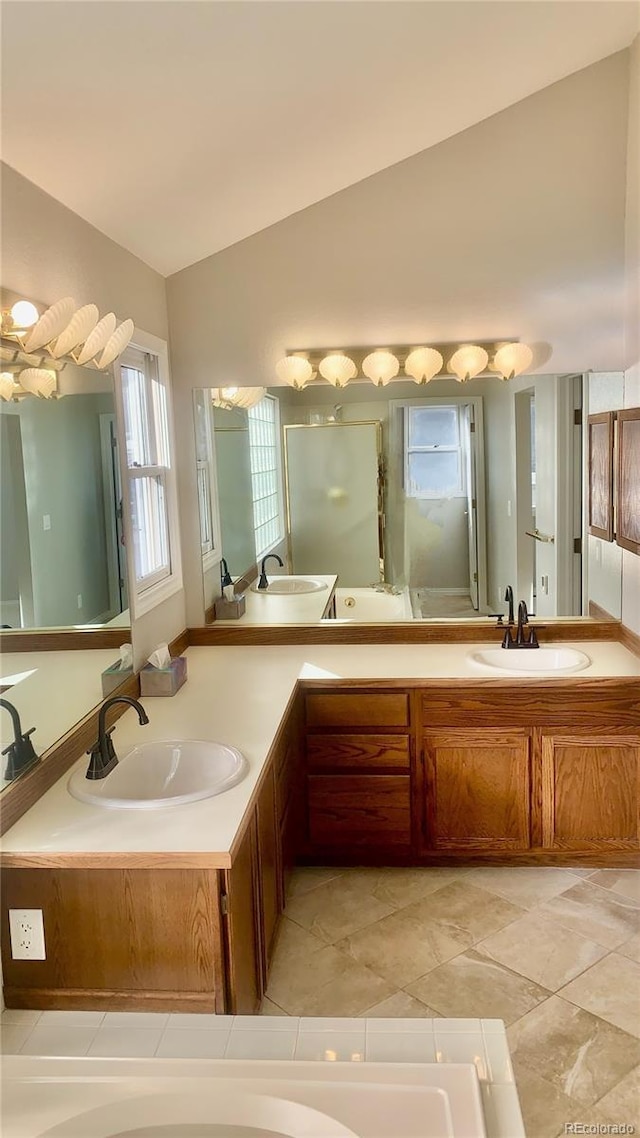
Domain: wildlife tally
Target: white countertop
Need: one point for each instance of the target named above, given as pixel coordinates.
(238, 696)
(292, 608)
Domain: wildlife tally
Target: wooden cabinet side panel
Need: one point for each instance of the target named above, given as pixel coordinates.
(118, 930)
(243, 951)
(591, 792)
(269, 867)
(478, 790)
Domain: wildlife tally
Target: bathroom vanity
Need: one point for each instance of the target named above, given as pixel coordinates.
(396, 754)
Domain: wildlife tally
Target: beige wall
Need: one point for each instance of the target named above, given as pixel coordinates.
(49, 252)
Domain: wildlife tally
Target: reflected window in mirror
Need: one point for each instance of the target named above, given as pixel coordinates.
(150, 476)
(434, 466)
(206, 480)
(266, 474)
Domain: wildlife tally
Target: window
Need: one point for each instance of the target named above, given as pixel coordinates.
(206, 486)
(264, 450)
(150, 478)
(434, 466)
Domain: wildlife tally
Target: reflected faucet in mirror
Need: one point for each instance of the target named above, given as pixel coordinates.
(508, 596)
(522, 639)
(103, 756)
(20, 754)
(263, 583)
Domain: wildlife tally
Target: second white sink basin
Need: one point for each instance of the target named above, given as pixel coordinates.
(160, 774)
(531, 661)
(285, 586)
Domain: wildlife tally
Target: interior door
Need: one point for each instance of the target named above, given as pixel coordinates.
(469, 434)
(332, 475)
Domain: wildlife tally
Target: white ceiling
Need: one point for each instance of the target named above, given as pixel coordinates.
(179, 128)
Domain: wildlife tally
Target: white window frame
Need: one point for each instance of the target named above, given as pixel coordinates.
(207, 466)
(461, 490)
(155, 589)
(278, 470)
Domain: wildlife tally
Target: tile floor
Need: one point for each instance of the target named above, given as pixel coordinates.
(555, 953)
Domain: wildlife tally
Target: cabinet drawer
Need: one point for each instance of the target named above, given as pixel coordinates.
(370, 709)
(386, 752)
(347, 810)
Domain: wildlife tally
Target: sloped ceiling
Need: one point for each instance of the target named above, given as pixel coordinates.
(180, 128)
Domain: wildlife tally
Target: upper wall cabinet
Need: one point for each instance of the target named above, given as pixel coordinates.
(628, 490)
(601, 436)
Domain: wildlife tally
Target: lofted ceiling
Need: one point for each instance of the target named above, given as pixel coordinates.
(179, 128)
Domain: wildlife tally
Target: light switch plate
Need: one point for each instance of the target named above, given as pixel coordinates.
(26, 927)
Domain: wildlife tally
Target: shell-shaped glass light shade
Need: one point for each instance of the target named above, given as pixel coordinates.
(97, 339)
(79, 327)
(24, 314)
(512, 359)
(8, 386)
(337, 369)
(116, 343)
(380, 367)
(468, 361)
(422, 364)
(294, 370)
(51, 324)
(38, 381)
(237, 396)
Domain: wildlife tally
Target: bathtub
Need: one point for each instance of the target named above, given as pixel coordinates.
(177, 1098)
(372, 606)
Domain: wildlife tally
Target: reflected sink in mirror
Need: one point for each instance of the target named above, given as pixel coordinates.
(531, 661)
(286, 586)
(160, 774)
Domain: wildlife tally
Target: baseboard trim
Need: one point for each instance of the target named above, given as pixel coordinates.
(102, 999)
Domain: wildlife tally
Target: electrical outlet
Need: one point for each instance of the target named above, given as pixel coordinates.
(26, 927)
(46, 521)
(79, 600)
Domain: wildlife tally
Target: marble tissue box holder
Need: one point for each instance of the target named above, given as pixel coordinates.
(164, 681)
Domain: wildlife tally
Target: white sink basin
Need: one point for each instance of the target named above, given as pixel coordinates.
(285, 586)
(531, 661)
(155, 775)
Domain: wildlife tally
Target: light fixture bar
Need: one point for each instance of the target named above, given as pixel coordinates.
(510, 347)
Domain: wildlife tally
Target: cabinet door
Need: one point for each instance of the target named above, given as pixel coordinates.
(244, 979)
(268, 867)
(359, 811)
(590, 790)
(477, 790)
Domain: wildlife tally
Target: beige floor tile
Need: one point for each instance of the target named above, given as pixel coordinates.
(294, 941)
(268, 1008)
(472, 986)
(403, 946)
(308, 877)
(599, 914)
(349, 993)
(622, 1103)
(336, 909)
(465, 912)
(626, 882)
(543, 950)
(400, 1006)
(399, 887)
(293, 978)
(611, 990)
(545, 1109)
(631, 948)
(581, 1054)
(527, 886)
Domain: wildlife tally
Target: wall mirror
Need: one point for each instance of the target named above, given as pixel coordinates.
(475, 486)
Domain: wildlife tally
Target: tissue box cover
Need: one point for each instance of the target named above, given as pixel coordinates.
(163, 681)
(113, 676)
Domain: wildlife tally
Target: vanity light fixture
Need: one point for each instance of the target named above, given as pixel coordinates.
(8, 386)
(422, 364)
(380, 367)
(337, 369)
(229, 397)
(294, 370)
(38, 381)
(468, 361)
(23, 315)
(64, 331)
(511, 360)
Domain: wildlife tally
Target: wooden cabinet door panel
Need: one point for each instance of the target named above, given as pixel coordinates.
(268, 867)
(245, 985)
(590, 791)
(358, 709)
(348, 810)
(477, 787)
(388, 752)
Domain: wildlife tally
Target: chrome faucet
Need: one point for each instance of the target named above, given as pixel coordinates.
(103, 756)
(263, 582)
(20, 754)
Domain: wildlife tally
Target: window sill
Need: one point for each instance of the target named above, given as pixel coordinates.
(156, 595)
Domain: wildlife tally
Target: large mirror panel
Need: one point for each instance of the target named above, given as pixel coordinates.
(472, 487)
